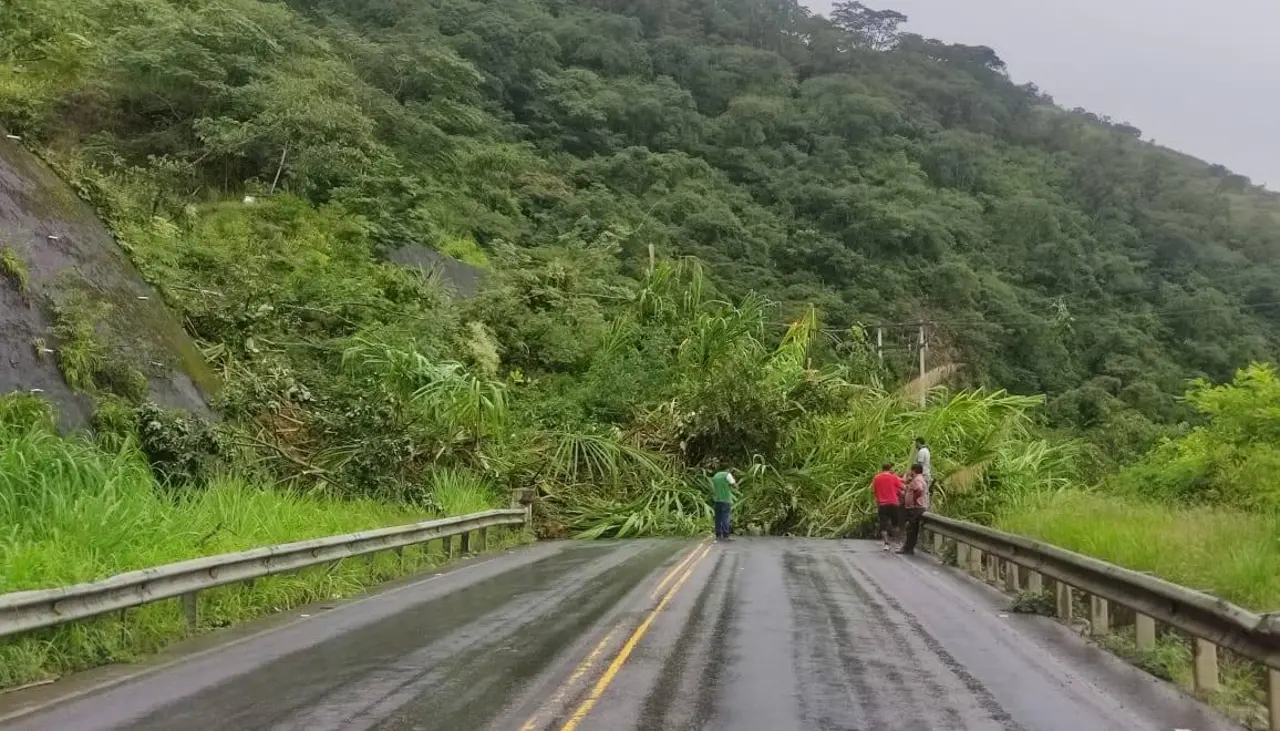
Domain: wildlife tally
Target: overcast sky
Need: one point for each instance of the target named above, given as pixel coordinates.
(1203, 78)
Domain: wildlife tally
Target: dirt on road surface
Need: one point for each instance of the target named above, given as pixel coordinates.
(754, 635)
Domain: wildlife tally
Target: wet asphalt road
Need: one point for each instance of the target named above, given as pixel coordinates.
(755, 635)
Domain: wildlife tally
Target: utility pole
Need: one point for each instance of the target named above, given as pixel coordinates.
(880, 345)
(653, 260)
(924, 346)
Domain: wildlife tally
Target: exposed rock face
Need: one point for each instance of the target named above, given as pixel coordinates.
(64, 249)
(462, 277)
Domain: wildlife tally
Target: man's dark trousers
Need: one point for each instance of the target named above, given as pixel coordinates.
(914, 517)
(722, 519)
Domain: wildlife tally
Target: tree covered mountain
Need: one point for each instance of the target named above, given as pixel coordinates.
(885, 178)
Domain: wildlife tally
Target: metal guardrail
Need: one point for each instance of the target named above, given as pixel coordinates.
(1211, 621)
(30, 610)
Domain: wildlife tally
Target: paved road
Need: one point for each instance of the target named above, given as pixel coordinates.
(756, 635)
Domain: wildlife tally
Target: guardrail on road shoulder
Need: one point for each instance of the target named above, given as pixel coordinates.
(1211, 621)
(29, 610)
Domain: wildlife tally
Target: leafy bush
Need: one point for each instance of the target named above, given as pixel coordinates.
(182, 449)
(115, 423)
(1232, 458)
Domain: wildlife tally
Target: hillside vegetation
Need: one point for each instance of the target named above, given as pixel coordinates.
(880, 176)
(710, 233)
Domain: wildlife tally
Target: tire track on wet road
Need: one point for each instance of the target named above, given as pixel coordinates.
(753, 635)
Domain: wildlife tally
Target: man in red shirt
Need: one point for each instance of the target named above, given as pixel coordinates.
(888, 489)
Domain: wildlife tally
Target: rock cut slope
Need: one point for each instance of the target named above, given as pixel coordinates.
(58, 262)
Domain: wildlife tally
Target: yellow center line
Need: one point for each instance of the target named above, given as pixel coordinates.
(666, 579)
(605, 680)
(583, 667)
(590, 660)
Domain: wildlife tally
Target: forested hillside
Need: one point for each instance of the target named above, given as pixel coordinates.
(880, 176)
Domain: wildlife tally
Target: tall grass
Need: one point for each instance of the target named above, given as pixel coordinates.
(14, 269)
(70, 512)
(461, 492)
(1226, 552)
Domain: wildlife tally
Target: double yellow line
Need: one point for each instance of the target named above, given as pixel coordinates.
(689, 563)
(581, 670)
(666, 578)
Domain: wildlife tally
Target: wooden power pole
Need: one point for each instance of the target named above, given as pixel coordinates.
(924, 347)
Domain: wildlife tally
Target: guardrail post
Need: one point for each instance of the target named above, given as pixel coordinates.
(962, 555)
(1066, 606)
(521, 498)
(1145, 628)
(191, 610)
(975, 560)
(1012, 578)
(993, 569)
(1205, 656)
(1273, 699)
(482, 540)
(937, 543)
(1035, 582)
(447, 545)
(1099, 616)
(464, 546)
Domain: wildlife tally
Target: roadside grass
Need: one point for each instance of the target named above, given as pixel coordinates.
(1221, 551)
(70, 512)
(1228, 553)
(460, 492)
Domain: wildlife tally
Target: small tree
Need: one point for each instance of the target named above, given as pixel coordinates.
(874, 29)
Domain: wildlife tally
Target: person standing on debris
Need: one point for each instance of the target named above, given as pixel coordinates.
(722, 484)
(916, 502)
(888, 490)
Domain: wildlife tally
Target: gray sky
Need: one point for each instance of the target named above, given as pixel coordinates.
(1199, 77)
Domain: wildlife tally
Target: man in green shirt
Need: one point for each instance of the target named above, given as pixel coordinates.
(722, 500)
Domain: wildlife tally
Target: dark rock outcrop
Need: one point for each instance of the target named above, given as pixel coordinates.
(465, 279)
(65, 251)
